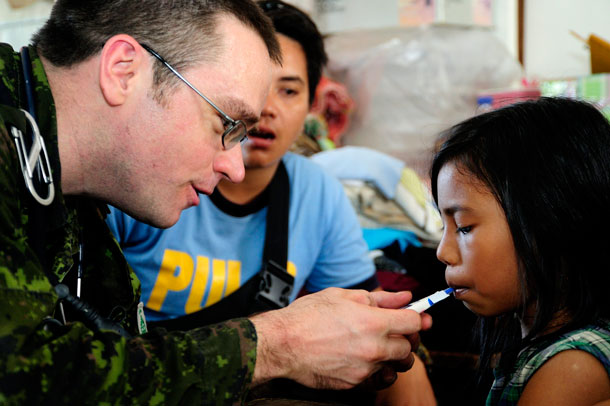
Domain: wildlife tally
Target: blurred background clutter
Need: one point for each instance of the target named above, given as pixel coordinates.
(399, 72)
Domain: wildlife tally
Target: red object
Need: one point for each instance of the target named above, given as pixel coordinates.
(333, 103)
(505, 97)
(395, 282)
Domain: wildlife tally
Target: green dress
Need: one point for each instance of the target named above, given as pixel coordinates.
(509, 384)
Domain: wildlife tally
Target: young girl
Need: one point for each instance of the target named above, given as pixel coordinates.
(524, 194)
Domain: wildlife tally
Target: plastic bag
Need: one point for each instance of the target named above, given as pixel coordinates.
(408, 84)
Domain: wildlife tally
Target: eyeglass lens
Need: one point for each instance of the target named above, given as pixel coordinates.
(235, 134)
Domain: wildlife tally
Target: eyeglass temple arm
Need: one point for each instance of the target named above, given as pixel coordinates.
(175, 72)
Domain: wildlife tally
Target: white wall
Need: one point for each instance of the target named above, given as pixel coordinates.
(18, 24)
(550, 51)
(363, 14)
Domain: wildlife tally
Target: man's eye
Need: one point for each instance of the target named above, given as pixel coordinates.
(464, 230)
(289, 92)
(223, 125)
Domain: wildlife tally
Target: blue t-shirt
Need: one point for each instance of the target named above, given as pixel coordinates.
(208, 254)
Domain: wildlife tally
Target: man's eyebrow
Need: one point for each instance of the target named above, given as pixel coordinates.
(238, 110)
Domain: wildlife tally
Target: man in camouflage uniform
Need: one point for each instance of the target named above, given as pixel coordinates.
(119, 128)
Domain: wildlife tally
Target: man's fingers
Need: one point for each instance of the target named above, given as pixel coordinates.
(390, 300)
(403, 365)
(414, 340)
(385, 377)
(400, 321)
(426, 321)
(398, 348)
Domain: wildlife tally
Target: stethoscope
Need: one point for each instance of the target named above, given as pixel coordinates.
(32, 161)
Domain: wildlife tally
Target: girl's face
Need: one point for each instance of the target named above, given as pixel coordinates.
(477, 245)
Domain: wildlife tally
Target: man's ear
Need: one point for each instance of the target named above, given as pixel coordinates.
(121, 66)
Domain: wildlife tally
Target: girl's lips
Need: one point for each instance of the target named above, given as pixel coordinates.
(459, 291)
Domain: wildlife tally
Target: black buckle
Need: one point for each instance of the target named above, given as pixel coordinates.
(275, 285)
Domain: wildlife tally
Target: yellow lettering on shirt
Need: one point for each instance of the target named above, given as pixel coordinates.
(292, 269)
(233, 277)
(218, 282)
(226, 279)
(200, 281)
(167, 279)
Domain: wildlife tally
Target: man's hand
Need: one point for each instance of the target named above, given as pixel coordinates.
(337, 338)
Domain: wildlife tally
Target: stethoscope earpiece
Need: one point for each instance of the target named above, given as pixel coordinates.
(31, 160)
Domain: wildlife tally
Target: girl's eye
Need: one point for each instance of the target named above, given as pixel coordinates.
(464, 230)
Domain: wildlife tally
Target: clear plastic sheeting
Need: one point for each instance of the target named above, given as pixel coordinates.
(408, 84)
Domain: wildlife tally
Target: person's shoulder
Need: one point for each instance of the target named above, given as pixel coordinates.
(565, 364)
(298, 162)
(571, 377)
(306, 170)
(595, 335)
(6, 50)
(9, 67)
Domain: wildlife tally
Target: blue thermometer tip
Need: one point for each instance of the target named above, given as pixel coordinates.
(425, 303)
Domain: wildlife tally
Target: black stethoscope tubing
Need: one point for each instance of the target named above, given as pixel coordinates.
(26, 65)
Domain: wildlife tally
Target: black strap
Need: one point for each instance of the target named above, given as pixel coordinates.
(264, 291)
(276, 231)
(275, 281)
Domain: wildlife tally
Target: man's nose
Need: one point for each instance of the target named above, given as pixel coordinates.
(230, 164)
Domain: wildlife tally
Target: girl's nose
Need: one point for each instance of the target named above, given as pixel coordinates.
(447, 251)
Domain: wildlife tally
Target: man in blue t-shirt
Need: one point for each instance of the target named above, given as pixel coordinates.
(217, 246)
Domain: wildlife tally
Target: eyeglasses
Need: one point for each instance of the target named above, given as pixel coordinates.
(270, 5)
(235, 130)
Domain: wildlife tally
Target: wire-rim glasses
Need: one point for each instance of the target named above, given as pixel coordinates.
(235, 130)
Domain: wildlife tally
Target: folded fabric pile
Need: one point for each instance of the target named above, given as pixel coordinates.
(390, 199)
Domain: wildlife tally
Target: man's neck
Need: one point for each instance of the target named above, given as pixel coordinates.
(254, 183)
(72, 95)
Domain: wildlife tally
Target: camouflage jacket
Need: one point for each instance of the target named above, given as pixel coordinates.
(72, 364)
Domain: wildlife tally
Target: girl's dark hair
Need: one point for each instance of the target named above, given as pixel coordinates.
(295, 24)
(547, 162)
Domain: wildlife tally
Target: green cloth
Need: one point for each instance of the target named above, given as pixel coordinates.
(508, 385)
(73, 364)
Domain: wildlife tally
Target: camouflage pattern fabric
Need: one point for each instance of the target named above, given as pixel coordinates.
(72, 364)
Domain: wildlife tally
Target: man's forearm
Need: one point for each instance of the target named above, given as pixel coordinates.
(273, 350)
